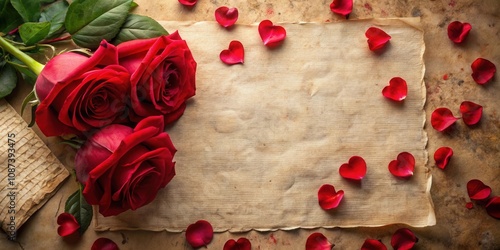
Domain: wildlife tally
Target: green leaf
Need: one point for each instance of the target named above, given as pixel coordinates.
(8, 80)
(78, 207)
(139, 27)
(9, 18)
(28, 9)
(32, 33)
(91, 21)
(133, 5)
(55, 14)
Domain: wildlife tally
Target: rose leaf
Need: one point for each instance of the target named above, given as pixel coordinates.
(29, 10)
(89, 28)
(139, 27)
(8, 79)
(55, 14)
(32, 33)
(78, 207)
(9, 18)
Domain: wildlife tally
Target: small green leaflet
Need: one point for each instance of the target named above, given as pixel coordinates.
(78, 207)
(55, 14)
(8, 79)
(91, 21)
(139, 27)
(9, 18)
(28, 9)
(32, 33)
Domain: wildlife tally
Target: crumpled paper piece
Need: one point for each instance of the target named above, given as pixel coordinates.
(259, 139)
(29, 175)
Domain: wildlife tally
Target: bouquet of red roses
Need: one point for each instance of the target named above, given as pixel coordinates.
(114, 101)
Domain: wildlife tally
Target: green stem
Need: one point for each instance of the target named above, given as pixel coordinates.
(32, 64)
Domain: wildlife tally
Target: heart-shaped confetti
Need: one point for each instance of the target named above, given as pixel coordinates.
(355, 169)
(397, 89)
(67, 224)
(373, 244)
(104, 244)
(377, 38)
(318, 241)
(403, 166)
(483, 70)
(328, 198)
(226, 16)
(403, 239)
(442, 118)
(271, 35)
(493, 207)
(471, 112)
(188, 3)
(199, 234)
(240, 244)
(477, 190)
(442, 156)
(458, 31)
(341, 7)
(234, 54)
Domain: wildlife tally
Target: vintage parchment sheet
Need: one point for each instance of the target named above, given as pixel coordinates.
(259, 139)
(30, 174)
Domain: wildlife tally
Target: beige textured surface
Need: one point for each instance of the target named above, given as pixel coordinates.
(477, 150)
(30, 172)
(259, 139)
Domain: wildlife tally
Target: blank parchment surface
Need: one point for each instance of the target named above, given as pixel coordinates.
(259, 139)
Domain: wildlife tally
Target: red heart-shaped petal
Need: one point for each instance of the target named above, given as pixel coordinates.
(104, 244)
(341, 7)
(377, 38)
(234, 55)
(477, 190)
(493, 207)
(226, 16)
(355, 169)
(67, 224)
(318, 241)
(199, 234)
(397, 89)
(188, 3)
(373, 244)
(471, 112)
(442, 118)
(328, 198)
(442, 156)
(403, 239)
(403, 166)
(457, 31)
(483, 70)
(241, 244)
(271, 35)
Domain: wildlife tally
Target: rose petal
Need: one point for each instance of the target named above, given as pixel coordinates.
(355, 169)
(241, 244)
(493, 207)
(373, 244)
(442, 118)
(234, 54)
(226, 16)
(477, 190)
(318, 241)
(104, 244)
(482, 70)
(471, 112)
(403, 239)
(67, 224)
(377, 38)
(403, 166)
(328, 198)
(199, 234)
(271, 35)
(188, 3)
(457, 31)
(442, 156)
(341, 7)
(397, 89)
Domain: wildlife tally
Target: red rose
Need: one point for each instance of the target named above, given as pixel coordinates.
(123, 168)
(162, 76)
(79, 93)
